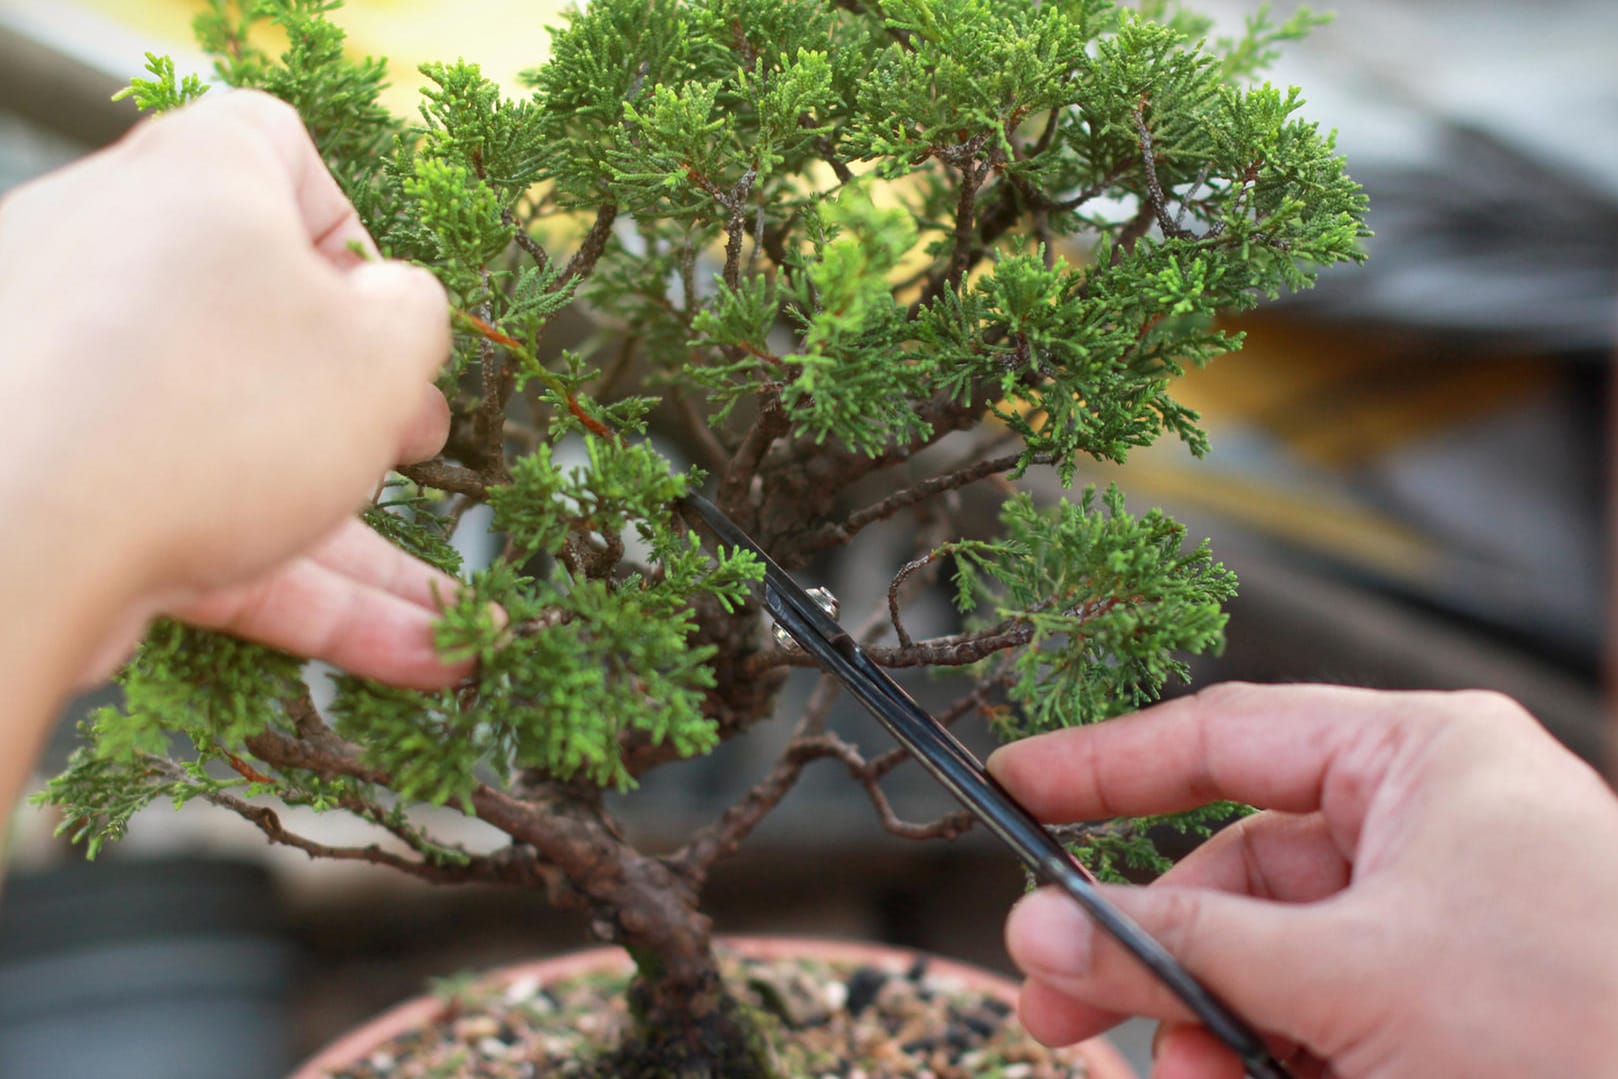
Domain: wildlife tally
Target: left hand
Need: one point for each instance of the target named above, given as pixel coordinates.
(220, 368)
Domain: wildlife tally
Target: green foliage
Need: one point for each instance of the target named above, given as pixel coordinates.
(851, 380)
(621, 485)
(410, 521)
(98, 794)
(1110, 602)
(1125, 853)
(215, 689)
(869, 224)
(165, 90)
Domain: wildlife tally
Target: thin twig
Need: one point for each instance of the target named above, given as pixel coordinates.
(697, 427)
(269, 822)
(835, 535)
(541, 257)
(955, 650)
(899, 579)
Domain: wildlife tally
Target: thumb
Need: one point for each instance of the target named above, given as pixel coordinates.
(1257, 956)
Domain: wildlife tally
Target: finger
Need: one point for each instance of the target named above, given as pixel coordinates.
(1056, 1019)
(428, 430)
(401, 316)
(356, 552)
(1250, 953)
(329, 219)
(1270, 855)
(314, 611)
(1272, 746)
(1189, 1051)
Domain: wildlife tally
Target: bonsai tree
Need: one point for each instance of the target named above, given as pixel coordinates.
(842, 258)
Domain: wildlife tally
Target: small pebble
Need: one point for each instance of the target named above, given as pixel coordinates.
(863, 986)
(525, 990)
(474, 1027)
(836, 994)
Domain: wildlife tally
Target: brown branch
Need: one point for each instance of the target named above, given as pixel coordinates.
(477, 868)
(898, 581)
(835, 535)
(722, 838)
(1154, 189)
(446, 476)
(725, 836)
(566, 834)
(607, 382)
(531, 246)
(595, 243)
(956, 650)
(736, 227)
(965, 223)
(771, 424)
(697, 428)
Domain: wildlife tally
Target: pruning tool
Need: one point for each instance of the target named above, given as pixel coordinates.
(803, 619)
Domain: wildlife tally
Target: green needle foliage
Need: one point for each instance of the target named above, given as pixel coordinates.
(811, 240)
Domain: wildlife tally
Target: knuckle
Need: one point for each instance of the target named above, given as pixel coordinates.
(1227, 697)
(1490, 706)
(1178, 916)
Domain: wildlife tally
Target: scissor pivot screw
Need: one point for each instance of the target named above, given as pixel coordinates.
(824, 599)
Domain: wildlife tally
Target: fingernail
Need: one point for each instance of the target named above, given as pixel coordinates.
(1157, 1039)
(1048, 935)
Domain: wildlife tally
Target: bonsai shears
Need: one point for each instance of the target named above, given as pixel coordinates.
(802, 618)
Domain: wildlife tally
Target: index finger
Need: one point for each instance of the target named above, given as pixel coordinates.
(1272, 746)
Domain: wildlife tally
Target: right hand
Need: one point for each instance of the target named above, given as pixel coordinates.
(1432, 890)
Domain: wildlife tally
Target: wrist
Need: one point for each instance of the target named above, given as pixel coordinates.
(55, 605)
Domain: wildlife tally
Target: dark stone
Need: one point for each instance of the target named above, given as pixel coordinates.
(995, 1006)
(980, 1024)
(863, 986)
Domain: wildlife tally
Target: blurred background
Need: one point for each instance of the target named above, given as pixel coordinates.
(1409, 474)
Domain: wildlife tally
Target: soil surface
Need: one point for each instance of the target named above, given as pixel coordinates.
(824, 1021)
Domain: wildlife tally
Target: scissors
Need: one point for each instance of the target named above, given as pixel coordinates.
(953, 765)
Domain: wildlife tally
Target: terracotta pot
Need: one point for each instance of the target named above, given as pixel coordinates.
(1099, 1057)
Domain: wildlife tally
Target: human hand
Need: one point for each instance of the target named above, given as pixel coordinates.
(1431, 891)
(211, 380)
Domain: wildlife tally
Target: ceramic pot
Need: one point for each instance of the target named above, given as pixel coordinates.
(1102, 1061)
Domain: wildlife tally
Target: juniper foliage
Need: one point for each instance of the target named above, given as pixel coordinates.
(815, 238)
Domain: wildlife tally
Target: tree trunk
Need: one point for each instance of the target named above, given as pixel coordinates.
(687, 1023)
